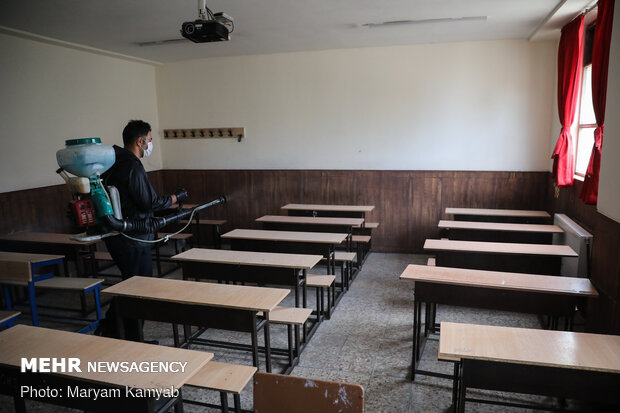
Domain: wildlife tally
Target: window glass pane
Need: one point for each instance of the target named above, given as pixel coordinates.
(586, 114)
(584, 149)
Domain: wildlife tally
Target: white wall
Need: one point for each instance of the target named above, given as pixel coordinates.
(458, 106)
(609, 184)
(52, 93)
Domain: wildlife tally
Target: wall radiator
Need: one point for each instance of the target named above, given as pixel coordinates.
(579, 240)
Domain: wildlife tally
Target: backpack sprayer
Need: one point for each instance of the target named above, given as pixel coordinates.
(96, 208)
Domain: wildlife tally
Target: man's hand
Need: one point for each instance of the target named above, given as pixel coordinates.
(179, 195)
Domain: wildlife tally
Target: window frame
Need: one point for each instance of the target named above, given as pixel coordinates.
(589, 28)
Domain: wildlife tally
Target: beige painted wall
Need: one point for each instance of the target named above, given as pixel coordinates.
(53, 93)
(464, 106)
(609, 184)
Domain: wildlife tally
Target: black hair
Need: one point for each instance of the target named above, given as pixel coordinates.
(135, 129)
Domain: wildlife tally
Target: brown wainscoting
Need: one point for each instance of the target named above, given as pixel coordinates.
(44, 209)
(408, 204)
(604, 312)
(38, 209)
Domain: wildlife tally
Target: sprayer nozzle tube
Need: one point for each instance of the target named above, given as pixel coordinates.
(153, 224)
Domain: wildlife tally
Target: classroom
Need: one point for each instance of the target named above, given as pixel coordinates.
(299, 207)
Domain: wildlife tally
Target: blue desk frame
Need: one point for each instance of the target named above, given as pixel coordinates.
(32, 297)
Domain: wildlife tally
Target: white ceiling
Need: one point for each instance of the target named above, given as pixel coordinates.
(274, 26)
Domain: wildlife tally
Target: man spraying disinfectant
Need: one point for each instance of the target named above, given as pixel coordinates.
(124, 202)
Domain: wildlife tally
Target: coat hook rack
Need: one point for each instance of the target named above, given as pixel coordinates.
(201, 133)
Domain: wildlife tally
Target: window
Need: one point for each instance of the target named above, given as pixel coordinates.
(587, 124)
(584, 136)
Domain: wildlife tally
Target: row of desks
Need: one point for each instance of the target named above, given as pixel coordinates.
(525, 293)
(502, 358)
(232, 307)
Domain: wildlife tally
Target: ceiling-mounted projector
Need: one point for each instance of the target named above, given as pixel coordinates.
(208, 27)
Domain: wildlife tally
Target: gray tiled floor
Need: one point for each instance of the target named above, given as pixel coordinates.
(367, 341)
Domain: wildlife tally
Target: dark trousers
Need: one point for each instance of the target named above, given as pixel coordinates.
(132, 259)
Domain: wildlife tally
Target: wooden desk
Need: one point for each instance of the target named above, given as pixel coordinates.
(499, 231)
(221, 306)
(25, 341)
(288, 270)
(323, 243)
(498, 215)
(523, 293)
(25, 267)
(500, 256)
(315, 210)
(53, 243)
(312, 224)
(551, 363)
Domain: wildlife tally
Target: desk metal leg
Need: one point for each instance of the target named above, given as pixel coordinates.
(455, 387)
(461, 392)
(417, 309)
(289, 331)
(97, 302)
(7, 297)
(175, 335)
(267, 343)
(237, 400)
(254, 337)
(33, 303)
(224, 401)
(304, 301)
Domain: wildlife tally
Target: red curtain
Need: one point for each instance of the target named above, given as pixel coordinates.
(570, 57)
(600, 64)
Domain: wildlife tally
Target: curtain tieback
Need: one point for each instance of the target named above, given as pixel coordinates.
(598, 136)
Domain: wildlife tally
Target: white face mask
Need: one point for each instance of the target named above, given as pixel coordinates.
(148, 150)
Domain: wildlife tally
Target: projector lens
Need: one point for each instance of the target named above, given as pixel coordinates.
(189, 28)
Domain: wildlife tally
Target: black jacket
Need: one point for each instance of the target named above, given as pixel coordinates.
(138, 197)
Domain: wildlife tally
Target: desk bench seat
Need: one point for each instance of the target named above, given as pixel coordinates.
(322, 282)
(7, 317)
(361, 238)
(362, 246)
(82, 285)
(62, 283)
(342, 256)
(225, 378)
(289, 315)
(292, 317)
(345, 260)
(369, 225)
